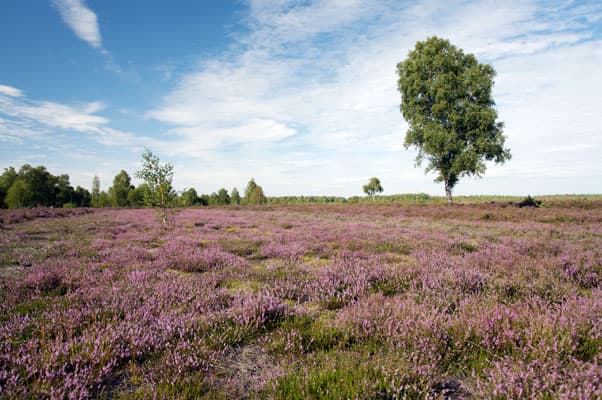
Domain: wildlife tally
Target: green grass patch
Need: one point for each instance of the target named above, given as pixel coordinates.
(186, 389)
(462, 248)
(390, 247)
(242, 247)
(587, 348)
(353, 375)
(32, 307)
(304, 334)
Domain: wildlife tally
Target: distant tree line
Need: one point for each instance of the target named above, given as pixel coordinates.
(30, 187)
(253, 195)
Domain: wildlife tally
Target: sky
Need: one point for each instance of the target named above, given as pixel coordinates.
(299, 94)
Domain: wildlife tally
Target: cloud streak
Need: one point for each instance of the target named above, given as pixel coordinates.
(22, 118)
(10, 91)
(82, 21)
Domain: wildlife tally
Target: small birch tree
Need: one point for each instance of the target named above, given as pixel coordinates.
(158, 178)
(373, 187)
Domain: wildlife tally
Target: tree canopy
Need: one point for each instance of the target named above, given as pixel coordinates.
(235, 197)
(35, 186)
(95, 195)
(122, 185)
(223, 198)
(446, 100)
(254, 194)
(372, 187)
(158, 179)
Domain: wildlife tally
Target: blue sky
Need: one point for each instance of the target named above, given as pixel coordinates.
(300, 95)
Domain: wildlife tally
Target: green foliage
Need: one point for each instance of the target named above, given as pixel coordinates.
(104, 199)
(212, 199)
(309, 335)
(40, 185)
(204, 200)
(254, 194)
(18, 194)
(341, 378)
(251, 186)
(409, 198)
(122, 185)
(189, 197)
(257, 197)
(353, 375)
(6, 180)
(81, 197)
(185, 389)
(37, 187)
(158, 178)
(223, 198)
(135, 197)
(95, 196)
(373, 187)
(64, 191)
(446, 99)
(235, 197)
(242, 247)
(306, 200)
(587, 348)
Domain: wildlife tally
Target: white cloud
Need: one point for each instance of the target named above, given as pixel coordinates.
(253, 130)
(10, 91)
(324, 71)
(22, 118)
(79, 118)
(81, 19)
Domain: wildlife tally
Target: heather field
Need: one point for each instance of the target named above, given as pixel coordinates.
(481, 301)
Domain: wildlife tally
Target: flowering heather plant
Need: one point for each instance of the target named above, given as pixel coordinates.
(325, 302)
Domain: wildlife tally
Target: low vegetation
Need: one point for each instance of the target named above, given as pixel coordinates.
(361, 301)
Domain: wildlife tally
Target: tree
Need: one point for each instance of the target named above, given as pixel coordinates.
(251, 186)
(189, 198)
(18, 194)
(257, 197)
(235, 197)
(223, 198)
(104, 200)
(213, 200)
(122, 185)
(95, 195)
(81, 197)
(158, 177)
(6, 181)
(136, 196)
(254, 194)
(41, 185)
(373, 187)
(64, 191)
(446, 99)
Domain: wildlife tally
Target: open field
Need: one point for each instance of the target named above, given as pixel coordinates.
(292, 302)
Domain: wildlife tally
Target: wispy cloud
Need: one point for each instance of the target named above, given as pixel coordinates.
(21, 118)
(324, 71)
(82, 21)
(10, 91)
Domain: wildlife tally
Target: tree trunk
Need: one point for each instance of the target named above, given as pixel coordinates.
(448, 194)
